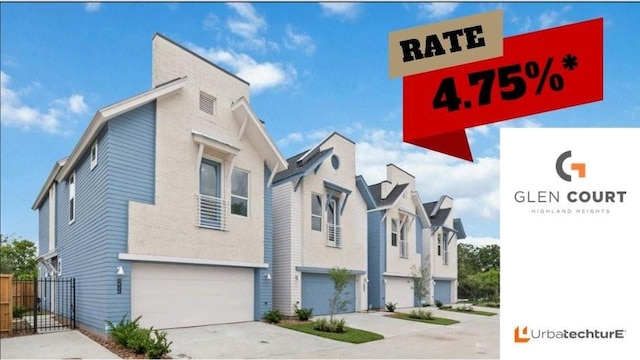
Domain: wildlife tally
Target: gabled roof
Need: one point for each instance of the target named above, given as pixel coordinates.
(457, 226)
(396, 192)
(255, 130)
(298, 167)
(438, 217)
(301, 164)
(97, 123)
(363, 188)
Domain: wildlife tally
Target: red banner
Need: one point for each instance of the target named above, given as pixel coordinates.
(539, 71)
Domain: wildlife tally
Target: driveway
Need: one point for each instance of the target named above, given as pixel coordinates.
(475, 337)
(70, 344)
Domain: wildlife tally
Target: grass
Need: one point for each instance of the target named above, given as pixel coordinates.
(435, 320)
(354, 336)
(475, 312)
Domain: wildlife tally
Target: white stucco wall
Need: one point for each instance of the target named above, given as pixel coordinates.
(169, 227)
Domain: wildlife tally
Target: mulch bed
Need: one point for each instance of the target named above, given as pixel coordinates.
(110, 345)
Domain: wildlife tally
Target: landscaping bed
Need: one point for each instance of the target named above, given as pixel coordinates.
(467, 310)
(351, 335)
(433, 320)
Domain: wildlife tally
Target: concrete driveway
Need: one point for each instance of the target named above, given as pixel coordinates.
(475, 337)
(70, 344)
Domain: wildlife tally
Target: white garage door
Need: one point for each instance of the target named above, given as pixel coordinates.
(399, 290)
(168, 295)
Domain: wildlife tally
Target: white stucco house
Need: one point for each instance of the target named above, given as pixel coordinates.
(320, 222)
(396, 219)
(440, 242)
(170, 192)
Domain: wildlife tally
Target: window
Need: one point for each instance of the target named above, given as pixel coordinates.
(439, 244)
(72, 198)
(333, 223)
(394, 232)
(239, 192)
(316, 212)
(404, 248)
(94, 155)
(207, 103)
(445, 250)
(212, 209)
(335, 161)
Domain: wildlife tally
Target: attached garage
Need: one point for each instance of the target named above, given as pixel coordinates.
(318, 288)
(442, 291)
(172, 295)
(399, 290)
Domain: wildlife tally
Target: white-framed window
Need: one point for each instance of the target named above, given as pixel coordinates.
(316, 212)
(94, 155)
(207, 103)
(72, 198)
(404, 248)
(394, 232)
(240, 192)
(445, 250)
(439, 244)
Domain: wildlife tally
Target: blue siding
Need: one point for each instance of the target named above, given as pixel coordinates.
(89, 247)
(263, 291)
(317, 289)
(377, 258)
(43, 227)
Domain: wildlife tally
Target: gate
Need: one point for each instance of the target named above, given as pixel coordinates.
(44, 305)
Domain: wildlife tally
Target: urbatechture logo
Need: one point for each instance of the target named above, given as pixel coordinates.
(580, 199)
(526, 334)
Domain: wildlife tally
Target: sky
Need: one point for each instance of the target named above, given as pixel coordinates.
(314, 68)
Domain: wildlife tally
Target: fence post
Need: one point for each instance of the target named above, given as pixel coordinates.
(73, 289)
(35, 305)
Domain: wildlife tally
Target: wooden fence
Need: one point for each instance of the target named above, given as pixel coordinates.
(6, 308)
(24, 294)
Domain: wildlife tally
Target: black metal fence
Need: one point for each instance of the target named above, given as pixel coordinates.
(44, 305)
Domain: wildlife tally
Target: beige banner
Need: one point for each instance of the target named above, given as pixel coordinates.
(445, 44)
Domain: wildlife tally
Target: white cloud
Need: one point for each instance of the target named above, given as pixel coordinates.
(260, 75)
(480, 241)
(77, 104)
(92, 7)
(341, 9)
(300, 41)
(248, 24)
(437, 10)
(291, 138)
(548, 19)
(15, 113)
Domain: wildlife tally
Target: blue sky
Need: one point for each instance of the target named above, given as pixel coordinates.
(314, 68)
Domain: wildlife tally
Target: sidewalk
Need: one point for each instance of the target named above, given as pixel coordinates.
(69, 344)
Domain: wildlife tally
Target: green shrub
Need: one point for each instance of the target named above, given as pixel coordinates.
(391, 307)
(158, 345)
(273, 316)
(464, 308)
(18, 311)
(421, 314)
(303, 314)
(139, 341)
(125, 329)
(438, 303)
(334, 325)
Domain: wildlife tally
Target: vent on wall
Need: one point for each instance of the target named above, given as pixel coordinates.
(207, 103)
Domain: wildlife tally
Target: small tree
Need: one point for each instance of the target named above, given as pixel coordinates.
(341, 278)
(18, 257)
(421, 280)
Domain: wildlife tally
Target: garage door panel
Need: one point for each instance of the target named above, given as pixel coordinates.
(442, 291)
(168, 295)
(399, 290)
(317, 289)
